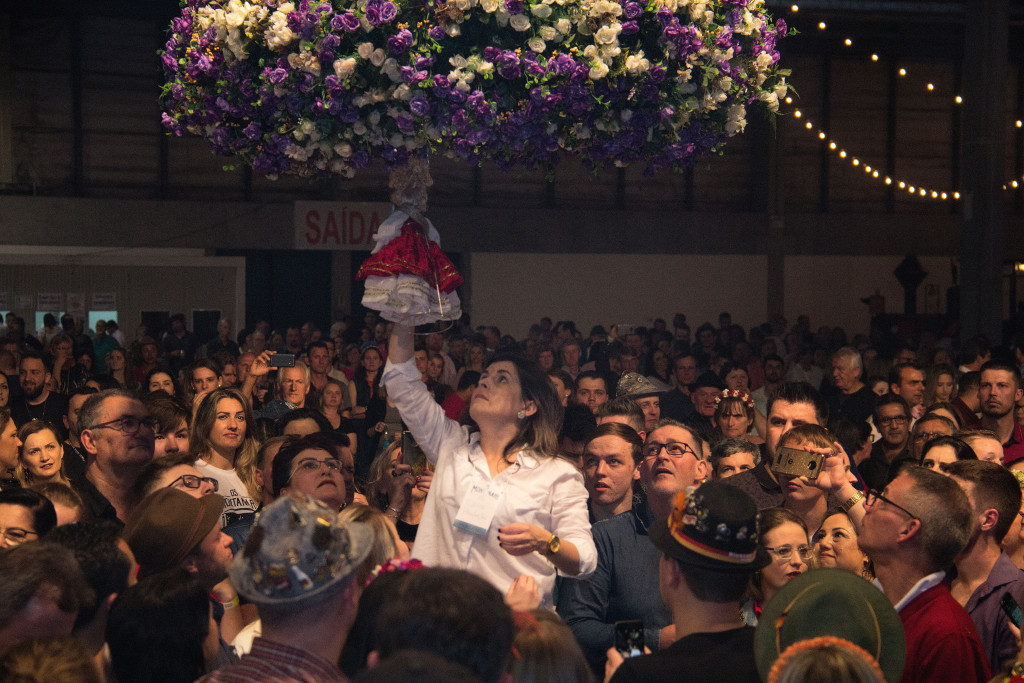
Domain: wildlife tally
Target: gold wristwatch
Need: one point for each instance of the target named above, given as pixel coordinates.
(553, 544)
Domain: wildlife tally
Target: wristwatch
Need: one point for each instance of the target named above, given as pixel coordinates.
(553, 544)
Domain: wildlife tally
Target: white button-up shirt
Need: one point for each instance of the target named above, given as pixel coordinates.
(546, 492)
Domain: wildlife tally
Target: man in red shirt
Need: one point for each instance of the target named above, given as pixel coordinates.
(457, 401)
(911, 531)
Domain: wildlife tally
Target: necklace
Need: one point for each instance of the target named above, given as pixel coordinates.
(28, 409)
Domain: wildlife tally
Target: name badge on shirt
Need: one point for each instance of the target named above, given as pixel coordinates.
(478, 507)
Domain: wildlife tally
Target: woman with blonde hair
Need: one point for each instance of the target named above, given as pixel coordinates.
(393, 488)
(225, 449)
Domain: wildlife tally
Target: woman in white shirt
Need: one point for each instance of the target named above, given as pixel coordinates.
(502, 502)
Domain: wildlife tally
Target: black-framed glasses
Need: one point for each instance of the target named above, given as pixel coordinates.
(129, 424)
(15, 535)
(674, 449)
(191, 481)
(928, 436)
(874, 496)
(310, 465)
(894, 419)
(785, 552)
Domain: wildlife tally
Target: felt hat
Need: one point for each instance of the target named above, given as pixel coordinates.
(714, 527)
(635, 385)
(297, 549)
(165, 527)
(836, 605)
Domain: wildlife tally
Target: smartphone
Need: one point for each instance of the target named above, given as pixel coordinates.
(413, 455)
(282, 360)
(629, 637)
(797, 463)
(1012, 609)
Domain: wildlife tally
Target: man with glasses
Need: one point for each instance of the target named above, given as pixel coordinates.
(625, 583)
(927, 428)
(911, 531)
(309, 465)
(174, 471)
(117, 435)
(892, 419)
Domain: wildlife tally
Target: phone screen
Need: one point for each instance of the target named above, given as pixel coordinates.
(1012, 609)
(629, 637)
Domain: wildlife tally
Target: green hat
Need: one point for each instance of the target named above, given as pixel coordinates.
(836, 603)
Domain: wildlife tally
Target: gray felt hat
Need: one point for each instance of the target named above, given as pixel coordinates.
(296, 549)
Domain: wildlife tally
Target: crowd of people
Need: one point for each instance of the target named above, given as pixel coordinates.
(379, 502)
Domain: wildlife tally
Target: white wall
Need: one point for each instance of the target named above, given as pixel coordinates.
(174, 280)
(513, 291)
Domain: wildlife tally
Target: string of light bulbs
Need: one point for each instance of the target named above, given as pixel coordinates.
(912, 189)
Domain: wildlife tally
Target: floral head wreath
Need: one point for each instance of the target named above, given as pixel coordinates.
(734, 393)
(394, 565)
(787, 655)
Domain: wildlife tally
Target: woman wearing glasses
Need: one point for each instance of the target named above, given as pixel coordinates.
(24, 516)
(225, 450)
(784, 535)
(502, 503)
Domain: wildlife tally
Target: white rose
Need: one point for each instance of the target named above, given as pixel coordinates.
(547, 33)
(519, 22)
(365, 50)
(536, 44)
(453, 30)
(344, 68)
(725, 84)
(490, 6)
(343, 150)
(771, 99)
(359, 128)
(781, 89)
(378, 57)
(606, 35)
(396, 140)
(374, 118)
(590, 52)
(598, 71)
(458, 61)
(542, 11)
(563, 25)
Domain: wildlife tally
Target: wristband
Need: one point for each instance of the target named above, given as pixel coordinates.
(848, 504)
(230, 605)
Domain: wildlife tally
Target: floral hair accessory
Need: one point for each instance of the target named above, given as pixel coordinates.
(734, 393)
(395, 564)
(822, 641)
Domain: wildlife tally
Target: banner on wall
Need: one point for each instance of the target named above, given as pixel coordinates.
(48, 301)
(23, 302)
(76, 304)
(104, 301)
(339, 226)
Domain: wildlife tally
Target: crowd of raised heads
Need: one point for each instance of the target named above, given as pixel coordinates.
(369, 501)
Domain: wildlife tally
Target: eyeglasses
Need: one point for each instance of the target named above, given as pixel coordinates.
(191, 481)
(129, 424)
(874, 496)
(894, 420)
(309, 465)
(785, 552)
(928, 436)
(674, 449)
(16, 535)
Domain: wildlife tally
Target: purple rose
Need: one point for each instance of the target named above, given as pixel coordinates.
(734, 16)
(780, 28)
(436, 33)
(373, 13)
(170, 63)
(424, 62)
(441, 81)
(252, 131)
(277, 76)
(629, 28)
(665, 16)
(724, 39)
(388, 11)
(514, 6)
(492, 54)
(632, 10)
(405, 123)
(399, 43)
(419, 106)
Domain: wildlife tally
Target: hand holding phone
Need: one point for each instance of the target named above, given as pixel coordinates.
(629, 637)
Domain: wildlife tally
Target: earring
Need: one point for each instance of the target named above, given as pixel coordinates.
(520, 415)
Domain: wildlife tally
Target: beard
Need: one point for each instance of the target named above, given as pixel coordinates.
(34, 393)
